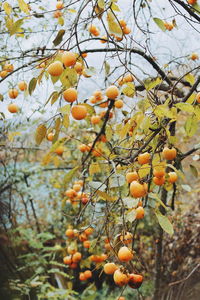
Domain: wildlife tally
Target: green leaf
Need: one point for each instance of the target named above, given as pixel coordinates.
(97, 185)
(163, 110)
(69, 78)
(32, 85)
(105, 196)
(152, 83)
(194, 171)
(59, 37)
(190, 78)
(40, 134)
(157, 198)
(186, 187)
(129, 90)
(23, 6)
(185, 107)
(160, 23)
(68, 177)
(66, 121)
(164, 223)
(130, 216)
(107, 68)
(65, 109)
(191, 125)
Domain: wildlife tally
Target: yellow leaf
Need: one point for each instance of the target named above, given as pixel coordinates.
(113, 25)
(40, 133)
(46, 159)
(105, 196)
(144, 170)
(7, 8)
(23, 6)
(129, 90)
(94, 168)
(11, 135)
(190, 78)
(66, 121)
(56, 161)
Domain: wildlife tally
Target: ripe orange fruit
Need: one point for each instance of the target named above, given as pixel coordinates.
(82, 276)
(119, 103)
(198, 97)
(169, 154)
(137, 189)
(139, 212)
(55, 68)
(169, 26)
(73, 266)
(70, 95)
(89, 231)
(78, 67)
(68, 58)
(8, 68)
(135, 280)
(86, 244)
(79, 112)
(84, 54)
(112, 92)
(13, 93)
(83, 148)
(95, 119)
(59, 5)
(76, 257)
(50, 136)
(103, 138)
(125, 254)
(120, 278)
(194, 56)
(59, 151)
(192, 2)
(103, 39)
(3, 74)
(93, 30)
(83, 237)
(159, 172)
(67, 260)
(76, 187)
(13, 108)
(128, 78)
(131, 176)
(70, 193)
(172, 177)
(121, 298)
(84, 200)
(159, 180)
(110, 268)
(69, 233)
(88, 274)
(126, 30)
(57, 14)
(98, 95)
(122, 23)
(22, 86)
(71, 249)
(126, 238)
(144, 158)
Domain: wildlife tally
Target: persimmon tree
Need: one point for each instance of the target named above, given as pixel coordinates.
(114, 114)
